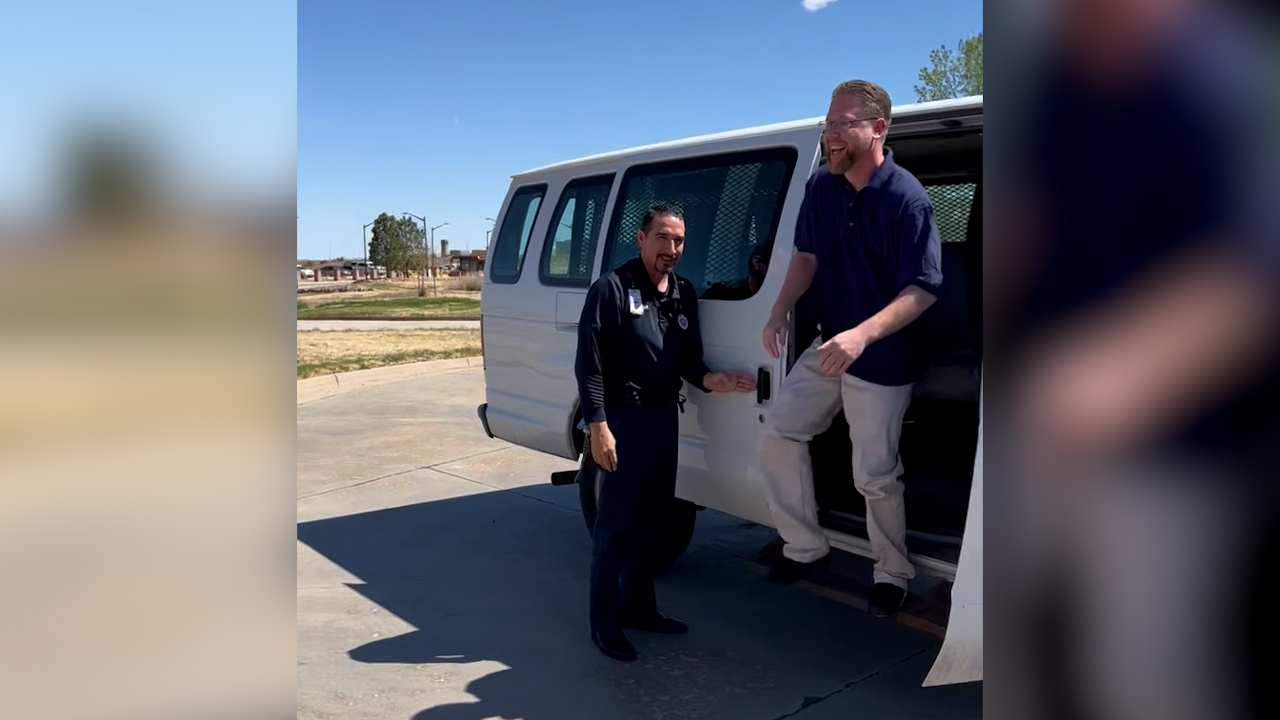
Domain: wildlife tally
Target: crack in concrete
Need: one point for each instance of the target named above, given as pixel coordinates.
(432, 466)
(514, 491)
(813, 701)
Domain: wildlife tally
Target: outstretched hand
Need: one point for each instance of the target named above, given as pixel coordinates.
(726, 382)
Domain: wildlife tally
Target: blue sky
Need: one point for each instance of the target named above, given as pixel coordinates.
(211, 85)
(430, 107)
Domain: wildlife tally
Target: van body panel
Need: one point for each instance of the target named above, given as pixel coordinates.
(530, 341)
(569, 311)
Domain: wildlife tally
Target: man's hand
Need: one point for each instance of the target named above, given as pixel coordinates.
(726, 382)
(604, 448)
(837, 354)
(775, 332)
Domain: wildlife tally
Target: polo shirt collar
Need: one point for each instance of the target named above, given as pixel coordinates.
(881, 176)
(640, 277)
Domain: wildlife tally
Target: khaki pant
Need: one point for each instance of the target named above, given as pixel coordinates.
(805, 407)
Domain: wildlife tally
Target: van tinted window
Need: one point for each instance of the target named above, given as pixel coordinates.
(731, 205)
(513, 237)
(569, 251)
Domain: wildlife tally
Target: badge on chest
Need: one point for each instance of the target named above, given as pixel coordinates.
(635, 303)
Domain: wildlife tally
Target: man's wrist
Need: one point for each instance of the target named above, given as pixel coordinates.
(862, 333)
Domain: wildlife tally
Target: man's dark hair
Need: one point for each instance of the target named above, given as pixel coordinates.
(660, 210)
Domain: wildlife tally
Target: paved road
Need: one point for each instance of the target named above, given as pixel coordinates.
(440, 577)
(388, 325)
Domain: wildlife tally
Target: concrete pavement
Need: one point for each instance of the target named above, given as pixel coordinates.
(440, 577)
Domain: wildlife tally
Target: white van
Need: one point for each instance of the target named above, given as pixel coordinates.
(561, 226)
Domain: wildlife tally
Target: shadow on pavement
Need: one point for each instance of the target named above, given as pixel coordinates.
(502, 576)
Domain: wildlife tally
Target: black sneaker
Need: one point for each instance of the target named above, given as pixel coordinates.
(786, 571)
(886, 599)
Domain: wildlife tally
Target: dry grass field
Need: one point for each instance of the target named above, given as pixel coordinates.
(325, 352)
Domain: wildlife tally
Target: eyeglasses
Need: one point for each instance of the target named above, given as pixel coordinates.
(838, 125)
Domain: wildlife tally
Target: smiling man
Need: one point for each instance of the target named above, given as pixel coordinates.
(866, 226)
(638, 338)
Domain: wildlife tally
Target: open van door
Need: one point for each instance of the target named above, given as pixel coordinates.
(960, 659)
(740, 195)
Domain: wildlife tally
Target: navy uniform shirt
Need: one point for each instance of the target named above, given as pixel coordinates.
(635, 344)
(871, 244)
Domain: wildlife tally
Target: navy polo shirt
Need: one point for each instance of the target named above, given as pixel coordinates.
(871, 244)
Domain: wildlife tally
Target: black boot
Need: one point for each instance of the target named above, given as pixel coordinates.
(615, 645)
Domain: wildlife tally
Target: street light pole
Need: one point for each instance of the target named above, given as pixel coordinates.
(422, 286)
(435, 286)
(365, 236)
(488, 232)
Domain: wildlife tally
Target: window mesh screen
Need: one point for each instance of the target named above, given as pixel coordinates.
(570, 248)
(591, 217)
(729, 212)
(951, 204)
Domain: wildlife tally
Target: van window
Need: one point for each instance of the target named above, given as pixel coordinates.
(731, 206)
(569, 251)
(513, 237)
(952, 203)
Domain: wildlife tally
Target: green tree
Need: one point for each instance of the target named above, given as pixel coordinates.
(952, 74)
(396, 244)
(413, 244)
(382, 242)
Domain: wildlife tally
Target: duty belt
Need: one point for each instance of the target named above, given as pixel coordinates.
(632, 395)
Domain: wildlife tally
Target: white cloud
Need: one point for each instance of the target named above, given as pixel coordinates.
(816, 5)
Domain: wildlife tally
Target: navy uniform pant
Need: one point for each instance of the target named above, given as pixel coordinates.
(633, 514)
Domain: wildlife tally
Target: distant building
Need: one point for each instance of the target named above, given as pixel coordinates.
(466, 262)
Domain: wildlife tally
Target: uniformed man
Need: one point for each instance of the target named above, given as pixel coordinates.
(638, 337)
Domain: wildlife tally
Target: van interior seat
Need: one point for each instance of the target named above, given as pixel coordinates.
(947, 329)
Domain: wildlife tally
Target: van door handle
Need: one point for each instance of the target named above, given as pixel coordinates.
(764, 388)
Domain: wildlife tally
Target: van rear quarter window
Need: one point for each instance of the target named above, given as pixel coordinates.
(731, 203)
(513, 237)
(569, 252)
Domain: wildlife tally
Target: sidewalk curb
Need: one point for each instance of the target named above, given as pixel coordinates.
(323, 386)
(375, 318)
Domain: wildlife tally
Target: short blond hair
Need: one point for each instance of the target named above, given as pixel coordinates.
(873, 98)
